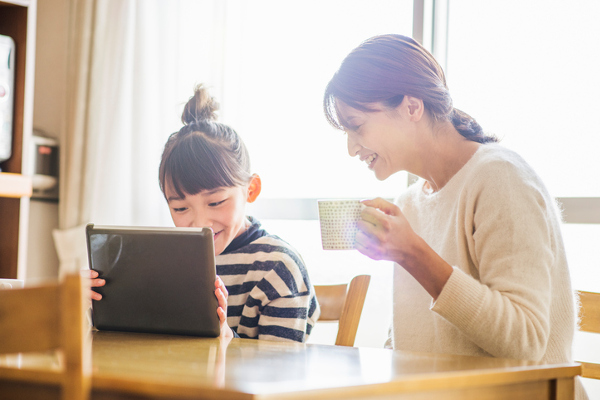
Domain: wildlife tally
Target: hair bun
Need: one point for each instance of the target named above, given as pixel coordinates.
(200, 107)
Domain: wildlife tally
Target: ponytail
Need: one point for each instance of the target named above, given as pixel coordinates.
(469, 128)
(200, 107)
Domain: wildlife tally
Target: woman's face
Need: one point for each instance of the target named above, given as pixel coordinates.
(222, 209)
(383, 138)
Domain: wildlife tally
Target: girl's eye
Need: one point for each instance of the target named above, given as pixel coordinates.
(180, 209)
(216, 203)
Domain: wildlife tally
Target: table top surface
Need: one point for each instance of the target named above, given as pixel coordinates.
(149, 363)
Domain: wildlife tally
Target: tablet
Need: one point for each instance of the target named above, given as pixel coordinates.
(158, 280)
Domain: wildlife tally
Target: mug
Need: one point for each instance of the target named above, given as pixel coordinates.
(338, 220)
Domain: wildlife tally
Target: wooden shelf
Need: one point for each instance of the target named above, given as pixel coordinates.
(23, 3)
(17, 20)
(14, 185)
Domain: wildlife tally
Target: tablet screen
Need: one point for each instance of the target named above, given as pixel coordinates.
(158, 280)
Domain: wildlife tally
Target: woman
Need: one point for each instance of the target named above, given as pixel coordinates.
(480, 262)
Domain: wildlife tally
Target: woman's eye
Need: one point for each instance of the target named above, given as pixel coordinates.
(216, 203)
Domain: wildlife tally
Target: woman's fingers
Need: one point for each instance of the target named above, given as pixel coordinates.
(379, 212)
(374, 223)
(381, 204)
(383, 231)
(369, 246)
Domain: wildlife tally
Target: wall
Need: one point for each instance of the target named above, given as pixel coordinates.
(48, 112)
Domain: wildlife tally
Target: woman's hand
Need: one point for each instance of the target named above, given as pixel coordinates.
(385, 234)
(96, 282)
(221, 293)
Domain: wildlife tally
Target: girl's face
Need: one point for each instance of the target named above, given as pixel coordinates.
(222, 209)
(383, 138)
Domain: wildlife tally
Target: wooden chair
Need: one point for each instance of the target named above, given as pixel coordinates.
(589, 316)
(343, 303)
(41, 319)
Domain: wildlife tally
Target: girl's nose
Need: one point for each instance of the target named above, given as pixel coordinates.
(201, 221)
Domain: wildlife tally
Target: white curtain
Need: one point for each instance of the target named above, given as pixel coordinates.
(132, 67)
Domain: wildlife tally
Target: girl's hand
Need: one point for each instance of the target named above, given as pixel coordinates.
(384, 233)
(221, 293)
(96, 282)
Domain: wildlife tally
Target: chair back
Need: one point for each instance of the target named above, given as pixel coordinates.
(589, 321)
(343, 303)
(47, 318)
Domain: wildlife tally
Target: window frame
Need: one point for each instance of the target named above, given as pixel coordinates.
(430, 28)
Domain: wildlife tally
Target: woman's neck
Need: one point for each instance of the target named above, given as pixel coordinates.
(444, 152)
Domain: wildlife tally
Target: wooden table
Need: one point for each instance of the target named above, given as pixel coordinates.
(137, 366)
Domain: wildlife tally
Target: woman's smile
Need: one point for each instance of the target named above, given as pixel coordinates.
(370, 160)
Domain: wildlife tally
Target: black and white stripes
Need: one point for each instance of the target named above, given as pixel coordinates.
(270, 294)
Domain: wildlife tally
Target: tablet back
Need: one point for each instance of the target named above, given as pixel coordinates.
(158, 280)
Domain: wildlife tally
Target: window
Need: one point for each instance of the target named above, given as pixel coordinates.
(526, 72)
(280, 59)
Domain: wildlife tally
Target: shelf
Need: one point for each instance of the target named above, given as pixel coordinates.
(23, 3)
(17, 20)
(14, 185)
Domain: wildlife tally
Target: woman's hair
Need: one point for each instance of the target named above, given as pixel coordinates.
(386, 68)
(204, 154)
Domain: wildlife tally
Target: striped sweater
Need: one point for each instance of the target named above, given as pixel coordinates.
(270, 294)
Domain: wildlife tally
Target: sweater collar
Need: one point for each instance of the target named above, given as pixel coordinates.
(253, 232)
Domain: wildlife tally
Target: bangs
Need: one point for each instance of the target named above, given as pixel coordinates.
(332, 112)
(197, 164)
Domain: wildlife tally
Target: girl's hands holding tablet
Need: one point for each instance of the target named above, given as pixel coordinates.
(96, 282)
(222, 293)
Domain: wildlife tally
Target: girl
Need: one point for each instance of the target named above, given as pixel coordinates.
(206, 179)
(480, 263)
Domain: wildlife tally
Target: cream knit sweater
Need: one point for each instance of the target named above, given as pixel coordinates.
(510, 293)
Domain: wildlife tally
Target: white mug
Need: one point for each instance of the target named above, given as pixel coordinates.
(338, 220)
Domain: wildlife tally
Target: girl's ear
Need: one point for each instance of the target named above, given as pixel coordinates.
(253, 188)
